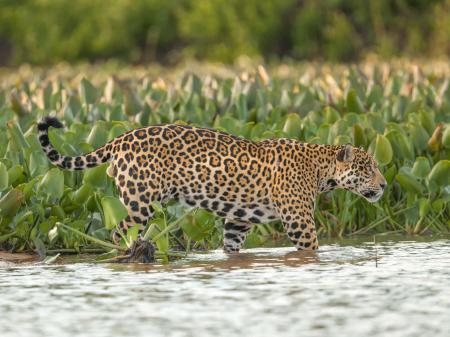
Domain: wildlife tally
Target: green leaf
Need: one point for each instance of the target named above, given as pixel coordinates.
(38, 163)
(133, 232)
(359, 137)
(427, 120)
(424, 207)
(52, 184)
(446, 137)
(438, 205)
(40, 248)
(96, 176)
(82, 194)
(98, 135)
(354, 103)
(400, 144)
(383, 150)
(4, 181)
(157, 226)
(117, 130)
(419, 137)
(16, 137)
(421, 167)
(132, 103)
(408, 181)
(331, 115)
(10, 203)
(199, 225)
(16, 175)
(16, 105)
(114, 211)
(440, 174)
(157, 207)
(390, 174)
(88, 92)
(292, 126)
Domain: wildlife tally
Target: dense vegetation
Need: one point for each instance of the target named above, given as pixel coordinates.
(400, 113)
(42, 31)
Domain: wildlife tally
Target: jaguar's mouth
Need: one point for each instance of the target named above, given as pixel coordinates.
(372, 195)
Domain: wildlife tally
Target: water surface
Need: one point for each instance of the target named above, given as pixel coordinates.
(396, 288)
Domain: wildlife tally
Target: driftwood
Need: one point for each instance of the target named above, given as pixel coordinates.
(141, 251)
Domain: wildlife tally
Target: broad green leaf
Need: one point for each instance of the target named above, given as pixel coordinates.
(390, 173)
(400, 145)
(98, 135)
(16, 175)
(419, 136)
(409, 182)
(16, 137)
(359, 137)
(421, 167)
(293, 126)
(96, 176)
(427, 120)
(88, 92)
(354, 103)
(438, 205)
(117, 130)
(38, 163)
(10, 203)
(199, 225)
(440, 174)
(113, 210)
(331, 115)
(383, 150)
(82, 194)
(52, 184)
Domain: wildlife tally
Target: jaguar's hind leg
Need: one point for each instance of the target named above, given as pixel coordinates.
(234, 235)
(138, 207)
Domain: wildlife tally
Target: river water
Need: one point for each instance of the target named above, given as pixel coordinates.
(398, 287)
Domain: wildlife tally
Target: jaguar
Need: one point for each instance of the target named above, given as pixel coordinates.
(245, 182)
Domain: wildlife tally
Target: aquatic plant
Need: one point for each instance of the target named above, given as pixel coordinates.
(398, 112)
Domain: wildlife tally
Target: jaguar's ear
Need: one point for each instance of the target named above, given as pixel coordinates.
(345, 154)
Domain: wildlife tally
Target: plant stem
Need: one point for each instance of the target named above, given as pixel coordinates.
(168, 228)
(91, 238)
(376, 223)
(75, 251)
(7, 236)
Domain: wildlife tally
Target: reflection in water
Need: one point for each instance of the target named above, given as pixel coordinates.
(338, 291)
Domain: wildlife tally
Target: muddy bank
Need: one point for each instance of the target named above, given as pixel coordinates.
(6, 257)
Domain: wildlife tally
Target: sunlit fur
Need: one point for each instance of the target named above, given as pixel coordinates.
(358, 172)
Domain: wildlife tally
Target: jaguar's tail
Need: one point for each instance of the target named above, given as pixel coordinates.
(92, 159)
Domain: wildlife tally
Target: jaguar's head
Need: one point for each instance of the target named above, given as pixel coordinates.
(357, 171)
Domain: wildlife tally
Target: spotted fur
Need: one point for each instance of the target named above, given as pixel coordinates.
(243, 181)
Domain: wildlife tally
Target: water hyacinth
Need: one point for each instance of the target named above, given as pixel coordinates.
(399, 115)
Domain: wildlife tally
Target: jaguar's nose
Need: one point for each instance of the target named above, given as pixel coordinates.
(383, 185)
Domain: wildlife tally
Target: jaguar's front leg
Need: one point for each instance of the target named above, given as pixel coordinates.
(298, 221)
(234, 235)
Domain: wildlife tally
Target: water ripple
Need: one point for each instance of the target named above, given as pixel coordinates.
(340, 291)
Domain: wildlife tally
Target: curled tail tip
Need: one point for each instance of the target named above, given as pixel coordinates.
(48, 121)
